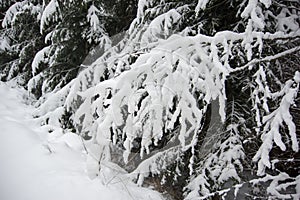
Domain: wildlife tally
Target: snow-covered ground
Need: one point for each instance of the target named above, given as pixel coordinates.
(36, 165)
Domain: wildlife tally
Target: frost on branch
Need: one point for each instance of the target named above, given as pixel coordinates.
(274, 121)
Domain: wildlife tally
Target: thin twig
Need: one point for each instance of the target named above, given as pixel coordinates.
(267, 59)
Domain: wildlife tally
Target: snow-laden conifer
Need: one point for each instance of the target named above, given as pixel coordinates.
(147, 102)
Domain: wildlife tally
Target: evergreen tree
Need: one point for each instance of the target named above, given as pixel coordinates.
(151, 95)
(20, 26)
(149, 103)
(73, 29)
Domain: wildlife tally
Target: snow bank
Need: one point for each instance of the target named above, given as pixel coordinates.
(38, 165)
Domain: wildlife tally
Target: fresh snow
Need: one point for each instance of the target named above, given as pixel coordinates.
(35, 164)
(40, 57)
(11, 12)
(93, 18)
(51, 12)
(4, 44)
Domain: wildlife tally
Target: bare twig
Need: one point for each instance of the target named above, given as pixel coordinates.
(267, 59)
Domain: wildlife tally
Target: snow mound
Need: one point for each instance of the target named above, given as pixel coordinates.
(36, 164)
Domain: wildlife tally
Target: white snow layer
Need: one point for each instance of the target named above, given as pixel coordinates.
(51, 12)
(11, 12)
(40, 57)
(4, 44)
(38, 165)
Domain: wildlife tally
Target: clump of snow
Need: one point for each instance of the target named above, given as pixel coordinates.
(4, 44)
(16, 8)
(161, 26)
(279, 184)
(97, 32)
(40, 57)
(201, 5)
(11, 12)
(287, 21)
(50, 13)
(93, 18)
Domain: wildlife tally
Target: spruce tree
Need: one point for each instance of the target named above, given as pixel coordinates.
(20, 26)
(199, 99)
(72, 30)
(152, 96)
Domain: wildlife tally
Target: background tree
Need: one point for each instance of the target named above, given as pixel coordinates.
(20, 26)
